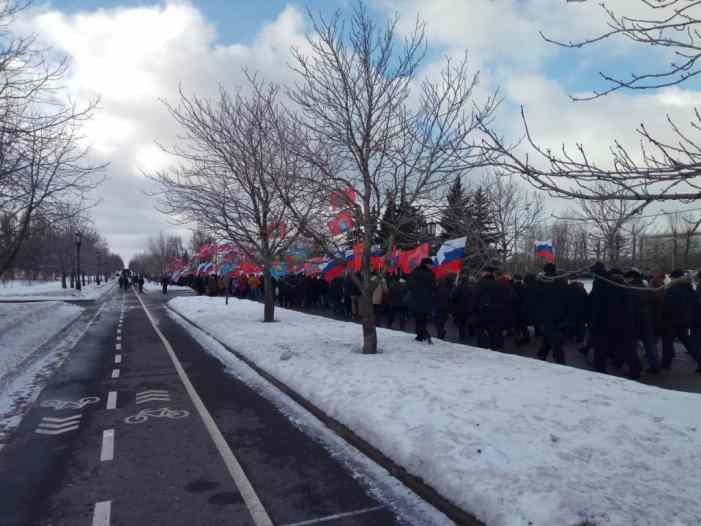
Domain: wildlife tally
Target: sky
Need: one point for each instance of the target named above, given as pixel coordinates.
(133, 54)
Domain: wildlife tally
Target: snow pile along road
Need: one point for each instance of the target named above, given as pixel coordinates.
(51, 290)
(24, 327)
(514, 441)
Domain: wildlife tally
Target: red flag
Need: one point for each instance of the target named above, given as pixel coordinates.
(410, 259)
(342, 199)
(343, 222)
(357, 260)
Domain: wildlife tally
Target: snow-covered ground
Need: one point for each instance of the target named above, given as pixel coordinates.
(24, 327)
(51, 290)
(514, 441)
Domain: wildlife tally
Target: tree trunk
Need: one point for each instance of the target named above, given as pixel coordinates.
(368, 318)
(269, 309)
(63, 280)
(72, 280)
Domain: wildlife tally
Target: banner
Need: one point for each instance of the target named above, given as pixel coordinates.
(343, 222)
(410, 259)
(332, 270)
(342, 198)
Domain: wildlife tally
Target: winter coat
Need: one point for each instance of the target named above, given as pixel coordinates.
(397, 294)
(491, 302)
(442, 302)
(577, 304)
(554, 294)
(461, 301)
(644, 306)
(380, 291)
(422, 289)
(678, 307)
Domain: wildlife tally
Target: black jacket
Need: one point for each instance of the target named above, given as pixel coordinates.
(422, 289)
(679, 300)
(491, 302)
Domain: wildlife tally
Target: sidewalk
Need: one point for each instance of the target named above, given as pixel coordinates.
(508, 439)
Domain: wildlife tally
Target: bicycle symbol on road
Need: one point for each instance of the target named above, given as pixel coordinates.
(67, 404)
(164, 412)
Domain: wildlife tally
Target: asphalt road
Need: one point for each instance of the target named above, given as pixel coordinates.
(119, 436)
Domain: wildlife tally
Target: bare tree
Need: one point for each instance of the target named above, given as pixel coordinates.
(515, 211)
(235, 155)
(365, 139)
(665, 170)
(609, 219)
(42, 165)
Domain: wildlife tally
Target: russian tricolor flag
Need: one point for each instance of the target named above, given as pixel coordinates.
(545, 250)
(332, 270)
(450, 257)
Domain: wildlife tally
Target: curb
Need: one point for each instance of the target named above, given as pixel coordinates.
(414, 483)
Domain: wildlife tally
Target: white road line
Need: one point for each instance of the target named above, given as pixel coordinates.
(117, 346)
(337, 516)
(112, 400)
(101, 515)
(107, 451)
(119, 331)
(118, 358)
(253, 503)
(119, 337)
(115, 373)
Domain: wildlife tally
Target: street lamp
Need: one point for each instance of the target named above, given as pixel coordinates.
(78, 241)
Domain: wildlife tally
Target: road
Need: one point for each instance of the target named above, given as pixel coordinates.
(141, 426)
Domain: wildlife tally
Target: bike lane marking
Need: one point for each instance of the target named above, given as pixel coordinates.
(255, 507)
(118, 358)
(107, 450)
(101, 515)
(115, 373)
(111, 400)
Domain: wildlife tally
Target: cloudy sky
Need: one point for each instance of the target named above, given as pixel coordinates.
(133, 53)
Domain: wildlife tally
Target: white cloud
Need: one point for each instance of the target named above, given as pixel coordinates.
(132, 57)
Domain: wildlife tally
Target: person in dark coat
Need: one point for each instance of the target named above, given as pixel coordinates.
(396, 302)
(677, 317)
(491, 302)
(164, 284)
(441, 309)
(140, 281)
(422, 288)
(460, 305)
(644, 307)
(521, 334)
(578, 310)
(553, 314)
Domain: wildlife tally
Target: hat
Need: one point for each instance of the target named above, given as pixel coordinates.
(550, 269)
(677, 273)
(633, 273)
(427, 261)
(598, 268)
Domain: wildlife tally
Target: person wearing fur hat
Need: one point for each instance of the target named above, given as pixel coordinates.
(677, 317)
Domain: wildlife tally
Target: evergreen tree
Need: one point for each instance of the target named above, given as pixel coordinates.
(405, 223)
(453, 224)
(481, 230)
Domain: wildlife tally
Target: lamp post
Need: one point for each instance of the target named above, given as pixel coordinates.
(78, 241)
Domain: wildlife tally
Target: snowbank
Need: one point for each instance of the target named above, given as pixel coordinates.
(153, 286)
(511, 440)
(51, 290)
(24, 327)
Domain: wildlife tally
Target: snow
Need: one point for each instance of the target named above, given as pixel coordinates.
(382, 485)
(24, 327)
(153, 286)
(514, 441)
(51, 290)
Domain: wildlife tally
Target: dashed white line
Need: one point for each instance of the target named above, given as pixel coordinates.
(107, 451)
(118, 358)
(117, 346)
(112, 400)
(115, 373)
(255, 506)
(119, 337)
(101, 515)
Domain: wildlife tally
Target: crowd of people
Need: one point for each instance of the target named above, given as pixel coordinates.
(622, 311)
